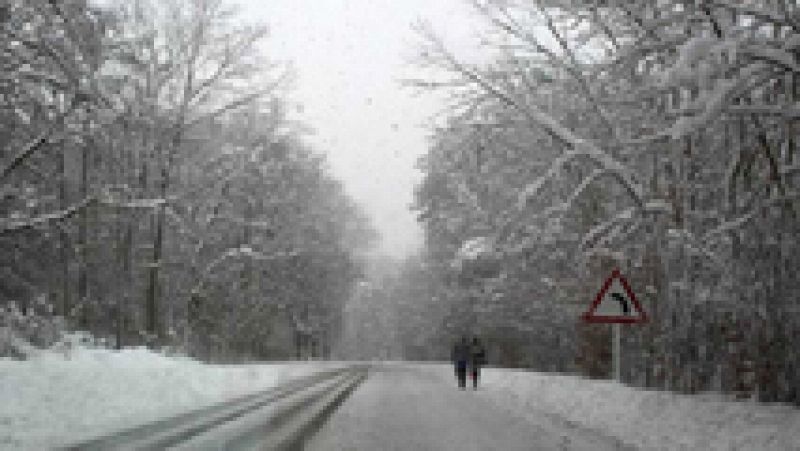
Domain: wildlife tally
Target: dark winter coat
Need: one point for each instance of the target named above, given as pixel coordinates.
(460, 354)
(477, 355)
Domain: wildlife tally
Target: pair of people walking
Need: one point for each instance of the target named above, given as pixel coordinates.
(468, 354)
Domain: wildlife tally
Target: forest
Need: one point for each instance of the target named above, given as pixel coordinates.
(154, 190)
(656, 137)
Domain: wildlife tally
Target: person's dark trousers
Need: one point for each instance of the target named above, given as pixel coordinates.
(462, 375)
(476, 374)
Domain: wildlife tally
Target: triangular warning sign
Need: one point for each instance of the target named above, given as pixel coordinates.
(615, 303)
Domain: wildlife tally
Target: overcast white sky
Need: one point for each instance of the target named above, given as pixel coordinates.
(349, 56)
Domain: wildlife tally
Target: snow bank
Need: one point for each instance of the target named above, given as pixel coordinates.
(60, 397)
(648, 419)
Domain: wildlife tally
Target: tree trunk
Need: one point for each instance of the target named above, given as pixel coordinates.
(83, 321)
(66, 302)
(153, 288)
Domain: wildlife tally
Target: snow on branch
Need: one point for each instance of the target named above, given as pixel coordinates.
(580, 78)
(8, 226)
(579, 190)
(767, 16)
(242, 251)
(608, 165)
(610, 168)
(751, 63)
(136, 203)
(247, 251)
(710, 106)
(736, 223)
(607, 230)
(564, 206)
(596, 233)
(619, 229)
(263, 225)
(514, 28)
(16, 226)
(578, 146)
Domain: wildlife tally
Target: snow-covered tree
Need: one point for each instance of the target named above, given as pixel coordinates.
(654, 136)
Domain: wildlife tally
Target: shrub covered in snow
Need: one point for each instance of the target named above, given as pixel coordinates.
(22, 332)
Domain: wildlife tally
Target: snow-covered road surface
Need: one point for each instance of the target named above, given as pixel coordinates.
(278, 417)
(419, 407)
(282, 424)
(57, 398)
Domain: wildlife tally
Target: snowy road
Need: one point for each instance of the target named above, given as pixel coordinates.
(277, 418)
(418, 407)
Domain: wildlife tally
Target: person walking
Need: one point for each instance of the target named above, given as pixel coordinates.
(460, 356)
(477, 358)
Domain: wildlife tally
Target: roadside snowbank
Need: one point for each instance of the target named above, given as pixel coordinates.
(56, 398)
(647, 419)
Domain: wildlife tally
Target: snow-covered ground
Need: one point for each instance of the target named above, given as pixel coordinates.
(647, 419)
(516, 409)
(57, 398)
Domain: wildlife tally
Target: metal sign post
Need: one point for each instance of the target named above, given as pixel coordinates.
(616, 350)
(615, 304)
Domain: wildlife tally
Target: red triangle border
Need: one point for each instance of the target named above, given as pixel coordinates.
(590, 317)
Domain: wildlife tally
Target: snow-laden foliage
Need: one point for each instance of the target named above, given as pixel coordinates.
(660, 141)
(152, 188)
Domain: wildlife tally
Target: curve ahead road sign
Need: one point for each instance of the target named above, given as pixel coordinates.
(615, 303)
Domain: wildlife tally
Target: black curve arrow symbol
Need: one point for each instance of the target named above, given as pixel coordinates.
(623, 302)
